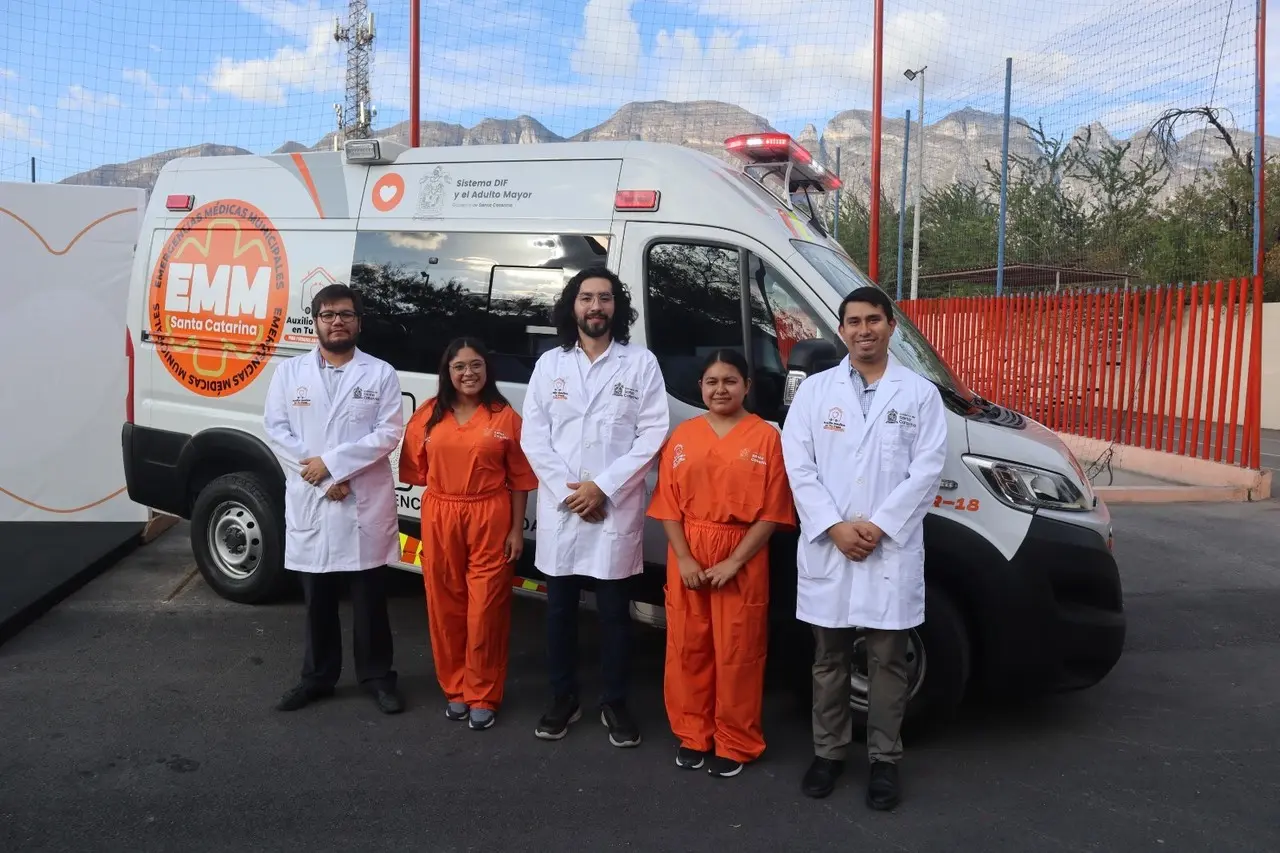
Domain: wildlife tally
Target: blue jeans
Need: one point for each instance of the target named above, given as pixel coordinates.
(613, 599)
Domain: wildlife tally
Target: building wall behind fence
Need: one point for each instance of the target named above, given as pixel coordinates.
(1166, 368)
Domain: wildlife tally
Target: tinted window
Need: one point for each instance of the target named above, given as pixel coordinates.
(693, 306)
(422, 289)
(779, 319)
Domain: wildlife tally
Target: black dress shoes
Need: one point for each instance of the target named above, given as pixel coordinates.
(820, 779)
(302, 696)
(388, 700)
(882, 790)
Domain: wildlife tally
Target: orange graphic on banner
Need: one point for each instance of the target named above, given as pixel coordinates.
(218, 297)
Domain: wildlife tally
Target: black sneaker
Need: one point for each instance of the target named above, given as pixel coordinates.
(690, 759)
(555, 723)
(723, 767)
(883, 788)
(623, 730)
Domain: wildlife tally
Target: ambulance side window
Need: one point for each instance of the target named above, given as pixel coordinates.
(693, 306)
(779, 319)
(417, 296)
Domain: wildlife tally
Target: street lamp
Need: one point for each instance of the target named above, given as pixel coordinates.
(915, 237)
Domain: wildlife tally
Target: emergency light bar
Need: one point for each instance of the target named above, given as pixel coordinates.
(640, 200)
(372, 152)
(780, 151)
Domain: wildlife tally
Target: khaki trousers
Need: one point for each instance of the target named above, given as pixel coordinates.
(887, 671)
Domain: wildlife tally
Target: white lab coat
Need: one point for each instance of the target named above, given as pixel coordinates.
(606, 424)
(884, 469)
(354, 434)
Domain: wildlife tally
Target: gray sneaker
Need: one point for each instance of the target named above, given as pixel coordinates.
(482, 718)
(456, 711)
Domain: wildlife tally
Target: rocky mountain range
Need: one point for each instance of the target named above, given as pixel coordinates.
(957, 147)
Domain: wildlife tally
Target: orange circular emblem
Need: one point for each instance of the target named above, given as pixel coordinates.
(387, 192)
(218, 296)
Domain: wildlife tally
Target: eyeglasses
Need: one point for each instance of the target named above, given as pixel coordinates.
(330, 316)
(461, 367)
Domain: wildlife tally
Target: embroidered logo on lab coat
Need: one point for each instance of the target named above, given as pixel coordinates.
(902, 419)
(559, 390)
(301, 397)
(620, 390)
(677, 456)
(835, 420)
(366, 394)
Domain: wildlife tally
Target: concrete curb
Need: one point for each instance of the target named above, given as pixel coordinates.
(1197, 479)
(1171, 494)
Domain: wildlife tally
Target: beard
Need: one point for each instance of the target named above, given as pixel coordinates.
(340, 346)
(594, 325)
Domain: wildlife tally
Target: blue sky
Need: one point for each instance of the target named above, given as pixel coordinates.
(89, 83)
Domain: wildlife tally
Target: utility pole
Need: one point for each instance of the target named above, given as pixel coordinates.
(355, 119)
(915, 237)
(902, 203)
(877, 86)
(1004, 176)
(835, 226)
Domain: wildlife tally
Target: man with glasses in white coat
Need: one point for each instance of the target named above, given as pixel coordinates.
(864, 445)
(595, 416)
(333, 418)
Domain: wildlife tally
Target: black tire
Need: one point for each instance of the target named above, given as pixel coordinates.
(944, 636)
(235, 517)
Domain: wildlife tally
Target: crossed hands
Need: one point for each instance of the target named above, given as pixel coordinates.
(587, 501)
(856, 539)
(695, 577)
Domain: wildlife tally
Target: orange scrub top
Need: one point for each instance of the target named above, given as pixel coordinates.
(479, 457)
(738, 479)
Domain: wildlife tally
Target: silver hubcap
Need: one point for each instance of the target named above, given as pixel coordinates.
(235, 540)
(858, 678)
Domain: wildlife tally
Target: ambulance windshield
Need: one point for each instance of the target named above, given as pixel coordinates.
(908, 345)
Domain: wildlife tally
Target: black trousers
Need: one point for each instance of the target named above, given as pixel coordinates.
(613, 599)
(371, 628)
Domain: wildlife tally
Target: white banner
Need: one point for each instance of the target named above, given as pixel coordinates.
(64, 282)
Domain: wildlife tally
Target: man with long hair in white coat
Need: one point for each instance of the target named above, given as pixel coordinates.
(333, 417)
(595, 417)
(864, 445)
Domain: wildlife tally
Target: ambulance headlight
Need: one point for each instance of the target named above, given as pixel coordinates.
(1026, 488)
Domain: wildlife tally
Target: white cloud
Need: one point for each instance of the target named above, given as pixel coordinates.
(17, 129)
(143, 79)
(610, 46)
(80, 99)
(315, 66)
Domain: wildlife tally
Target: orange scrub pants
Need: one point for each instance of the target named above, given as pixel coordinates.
(468, 584)
(717, 640)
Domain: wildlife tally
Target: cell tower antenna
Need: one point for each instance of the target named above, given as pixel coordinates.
(355, 121)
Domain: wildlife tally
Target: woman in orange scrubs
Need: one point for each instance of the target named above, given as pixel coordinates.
(722, 491)
(464, 447)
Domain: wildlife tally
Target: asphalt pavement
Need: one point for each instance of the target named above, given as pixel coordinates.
(137, 715)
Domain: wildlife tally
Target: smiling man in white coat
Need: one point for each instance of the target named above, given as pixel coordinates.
(595, 417)
(864, 445)
(333, 418)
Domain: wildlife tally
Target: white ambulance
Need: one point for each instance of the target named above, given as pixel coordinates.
(1023, 591)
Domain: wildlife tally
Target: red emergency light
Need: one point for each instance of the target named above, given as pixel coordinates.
(780, 150)
(180, 202)
(642, 200)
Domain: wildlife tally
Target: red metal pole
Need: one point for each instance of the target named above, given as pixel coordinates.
(415, 52)
(877, 85)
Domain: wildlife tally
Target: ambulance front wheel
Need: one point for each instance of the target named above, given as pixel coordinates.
(937, 663)
(237, 534)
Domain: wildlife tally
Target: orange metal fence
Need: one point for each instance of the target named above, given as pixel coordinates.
(1173, 368)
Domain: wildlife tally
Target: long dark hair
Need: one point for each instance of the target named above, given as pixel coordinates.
(566, 323)
(447, 395)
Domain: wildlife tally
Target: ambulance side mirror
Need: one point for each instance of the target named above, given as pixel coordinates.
(807, 358)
